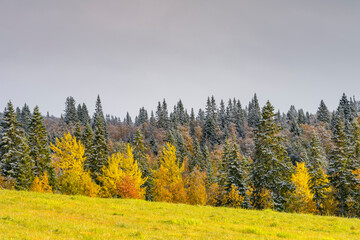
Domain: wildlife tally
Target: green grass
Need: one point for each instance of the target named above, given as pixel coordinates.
(29, 215)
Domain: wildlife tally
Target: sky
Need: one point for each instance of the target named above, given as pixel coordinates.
(135, 53)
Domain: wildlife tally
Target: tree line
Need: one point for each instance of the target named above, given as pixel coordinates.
(225, 155)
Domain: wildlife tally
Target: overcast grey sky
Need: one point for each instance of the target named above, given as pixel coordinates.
(134, 53)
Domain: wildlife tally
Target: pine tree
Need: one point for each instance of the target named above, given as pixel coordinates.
(318, 182)
(85, 117)
(87, 139)
(235, 174)
(70, 115)
(254, 113)
(341, 167)
(323, 114)
(209, 130)
(99, 117)
(39, 148)
(99, 151)
(139, 154)
(271, 168)
(197, 157)
(25, 117)
(14, 150)
(128, 120)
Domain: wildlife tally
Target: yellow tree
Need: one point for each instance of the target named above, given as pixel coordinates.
(197, 190)
(41, 184)
(69, 163)
(122, 177)
(168, 180)
(301, 199)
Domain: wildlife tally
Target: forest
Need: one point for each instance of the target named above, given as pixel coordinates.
(224, 155)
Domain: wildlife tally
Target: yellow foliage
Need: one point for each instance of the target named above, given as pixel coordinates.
(36, 185)
(70, 154)
(41, 185)
(168, 180)
(302, 198)
(120, 167)
(233, 198)
(197, 190)
(69, 162)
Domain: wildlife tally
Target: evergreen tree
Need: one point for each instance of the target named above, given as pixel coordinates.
(128, 120)
(99, 117)
(254, 113)
(318, 180)
(25, 117)
(99, 151)
(236, 174)
(14, 150)
(341, 167)
(85, 117)
(271, 168)
(323, 114)
(209, 130)
(139, 153)
(87, 139)
(39, 148)
(70, 115)
(77, 132)
(197, 157)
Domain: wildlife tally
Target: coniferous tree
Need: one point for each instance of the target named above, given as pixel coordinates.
(99, 117)
(318, 182)
(209, 130)
(14, 151)
(99, 151)
(39, 148)
(323, 114)
(254, 113)
(70, 115)
(271, 171)
(235, 175)
(87, 139)
(341, 167)
(25, 117)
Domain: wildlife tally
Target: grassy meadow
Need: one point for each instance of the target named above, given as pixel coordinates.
(30, 215)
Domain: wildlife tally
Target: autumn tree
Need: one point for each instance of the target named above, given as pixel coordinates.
(197, 187)
(69, 162)
(168, 180)
(122, 177)
(301, 199)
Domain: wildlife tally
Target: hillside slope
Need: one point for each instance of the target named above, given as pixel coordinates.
(29, 215)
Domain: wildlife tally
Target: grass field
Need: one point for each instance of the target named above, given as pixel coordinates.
(30, 215)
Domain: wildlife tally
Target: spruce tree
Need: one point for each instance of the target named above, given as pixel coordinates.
(318, 181)
(209, 130)
(14, 150)
(99, 151)
(87, 139)
(25, 117)
(254, 113)
(323, 114)
(38, 143)
(99, 117)
(70, 116)
(85, 115)
(235, 174)
(341, 167)
(271, 171)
